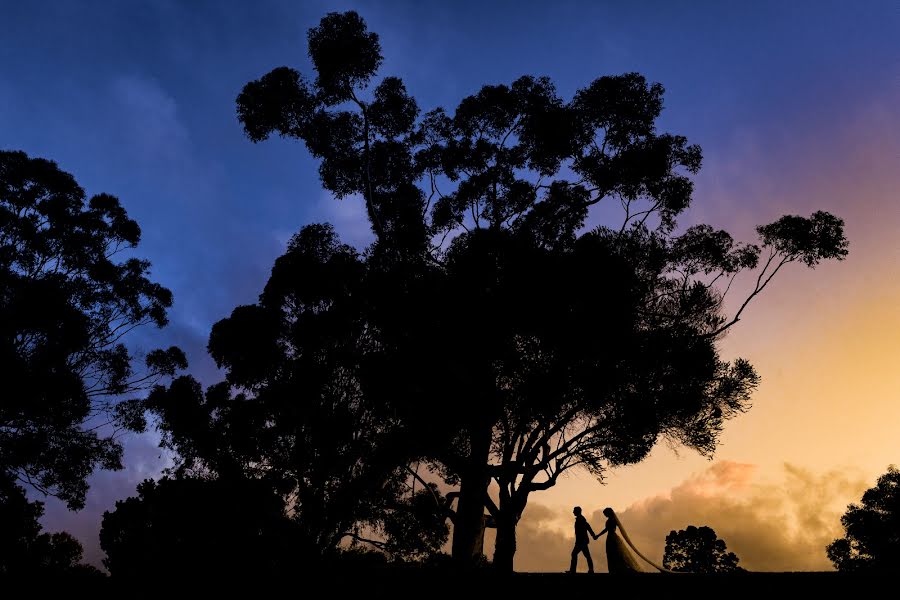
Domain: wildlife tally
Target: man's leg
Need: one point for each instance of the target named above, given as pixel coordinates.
(587, 555)
(575, 552)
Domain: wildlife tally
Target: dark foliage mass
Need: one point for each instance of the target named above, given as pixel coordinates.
(505, 340)
(871, 542)
(26, 551)
(194, 528)
(292, 418)
(67, 299)
(698, 550)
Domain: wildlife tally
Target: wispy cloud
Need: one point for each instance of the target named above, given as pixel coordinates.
(348, 215)
(150, 121)
(145, 460)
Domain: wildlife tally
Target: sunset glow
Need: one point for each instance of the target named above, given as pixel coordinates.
(796, 106)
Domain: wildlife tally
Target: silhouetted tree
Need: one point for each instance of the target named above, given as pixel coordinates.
(414, 530)
(526, 346)
(192, 527)
(27, 552)
(698, 550)
(66, 303)
(292, 415)
(871, 541)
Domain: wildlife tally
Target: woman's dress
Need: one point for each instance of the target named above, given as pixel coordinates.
(618, 558)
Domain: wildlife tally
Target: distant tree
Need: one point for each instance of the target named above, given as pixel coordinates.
(66, 303)
(698, 550)
(525, 346)
(25, 550)
(193, 527)
(413, 529)
(871, 541)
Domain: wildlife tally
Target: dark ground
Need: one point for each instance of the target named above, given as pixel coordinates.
(423, 584)
(761, 586)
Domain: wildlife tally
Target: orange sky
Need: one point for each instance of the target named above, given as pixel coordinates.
(826, 342)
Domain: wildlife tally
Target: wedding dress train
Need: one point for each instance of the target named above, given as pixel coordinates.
(619, 559)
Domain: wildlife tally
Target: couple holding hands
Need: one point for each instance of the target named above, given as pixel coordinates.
(618, 558)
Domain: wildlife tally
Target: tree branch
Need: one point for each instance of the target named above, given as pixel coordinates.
(759, 288)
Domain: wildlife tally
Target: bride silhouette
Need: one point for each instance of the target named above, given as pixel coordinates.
(618, 557)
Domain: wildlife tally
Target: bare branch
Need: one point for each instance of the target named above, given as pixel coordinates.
(760, 286)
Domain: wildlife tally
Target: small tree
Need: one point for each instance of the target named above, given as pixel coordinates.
(871, 539)
(698, 550)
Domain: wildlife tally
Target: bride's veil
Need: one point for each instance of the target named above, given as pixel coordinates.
(633, 547)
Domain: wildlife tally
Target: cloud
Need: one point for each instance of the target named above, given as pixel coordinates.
(348, 215)
(781, 526)
(149, 121)
(542, 544)
(144, 460)
(771, 527)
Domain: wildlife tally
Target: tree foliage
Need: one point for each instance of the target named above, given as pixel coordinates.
(698, 550)
(414, 527)
(193, 527)
(528, 343)
(27, 551)
(871, 541)
(292, 413)
(68, 298)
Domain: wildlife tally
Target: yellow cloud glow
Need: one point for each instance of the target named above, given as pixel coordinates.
(781, 526)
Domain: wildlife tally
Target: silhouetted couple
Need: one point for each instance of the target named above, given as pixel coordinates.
(618, 558)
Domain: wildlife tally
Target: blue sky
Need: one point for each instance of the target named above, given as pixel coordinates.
(137, 99)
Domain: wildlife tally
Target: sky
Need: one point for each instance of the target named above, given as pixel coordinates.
(795, 104)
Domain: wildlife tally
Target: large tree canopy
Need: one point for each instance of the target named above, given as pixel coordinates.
(292, 414)
(871, 541)
(68, 298)
(522, 341)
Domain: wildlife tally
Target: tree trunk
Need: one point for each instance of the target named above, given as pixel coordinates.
(505, 546)
(468, 525)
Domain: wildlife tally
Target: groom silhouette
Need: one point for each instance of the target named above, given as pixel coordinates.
(582, 529)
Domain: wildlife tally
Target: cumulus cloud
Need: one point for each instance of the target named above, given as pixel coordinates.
(771, 527)
(781, 526)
